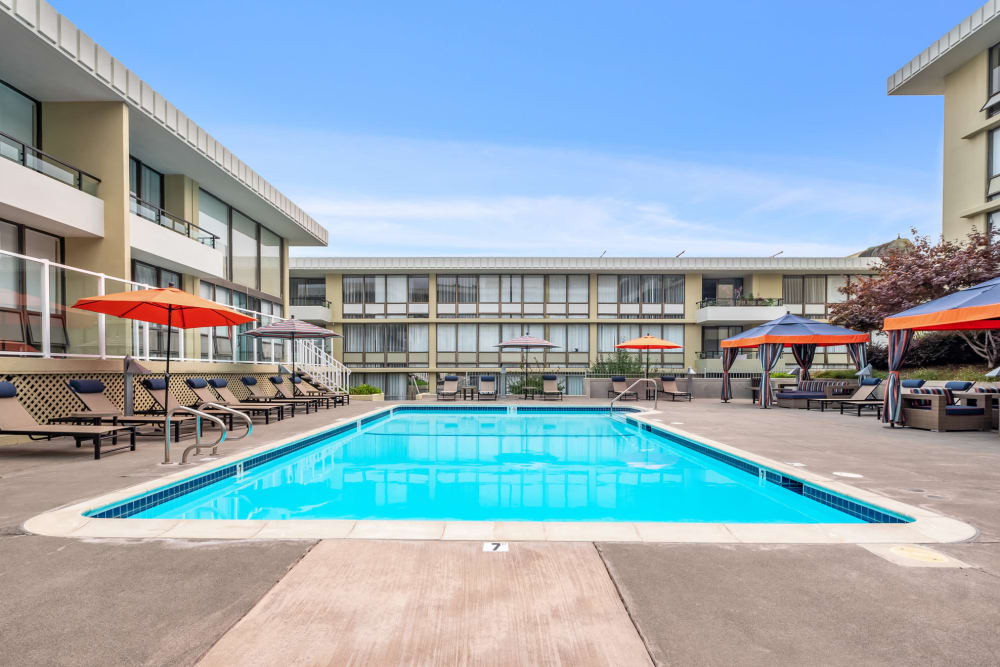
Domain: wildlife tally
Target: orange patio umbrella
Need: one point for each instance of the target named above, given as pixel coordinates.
(647, 343)
(164, 305)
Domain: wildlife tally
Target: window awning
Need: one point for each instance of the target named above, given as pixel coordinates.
(992, 102)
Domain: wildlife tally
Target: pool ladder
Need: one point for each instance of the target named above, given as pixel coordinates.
(611, 406)
(199, 416)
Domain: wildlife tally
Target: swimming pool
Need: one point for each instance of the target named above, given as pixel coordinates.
(499, 464)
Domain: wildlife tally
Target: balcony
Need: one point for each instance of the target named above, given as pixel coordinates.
(48, 194)
(310, 308)
(738, 311)
(173, 243)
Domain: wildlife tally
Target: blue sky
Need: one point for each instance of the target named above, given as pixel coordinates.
(571, 128)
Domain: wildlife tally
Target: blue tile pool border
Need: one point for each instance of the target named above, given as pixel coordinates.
(129, 507)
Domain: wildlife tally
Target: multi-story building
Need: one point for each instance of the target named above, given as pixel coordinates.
(433, 315)
(106, 186)
(964, 67)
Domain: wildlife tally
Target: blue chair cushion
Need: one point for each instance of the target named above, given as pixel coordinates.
(154, 384)
(548, 376)
(869, 382)
(617, 378)
(248, 381)
(958, 385)
(218, 382)
(196, 383)
(801, 394)
(7, 390)
(87, 386)
(986, 390)
(276, 379)
(956, 410)
(912, 384)
(668, 378)
(450, 378)
(487, 378)
(295, 379)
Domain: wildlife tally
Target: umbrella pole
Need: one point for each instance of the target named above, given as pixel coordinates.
(166, 396)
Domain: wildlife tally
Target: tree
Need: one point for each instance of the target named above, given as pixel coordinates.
(925, 271)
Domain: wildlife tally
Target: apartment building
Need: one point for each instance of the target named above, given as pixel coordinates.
(107, 186)
(427, 315)
(964, 67)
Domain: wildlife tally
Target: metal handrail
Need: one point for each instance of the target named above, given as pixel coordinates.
(160, 215)
(611, 406)
(197, 431)
(740, 301)
(224, 408)
(308, 301)
(26, 148)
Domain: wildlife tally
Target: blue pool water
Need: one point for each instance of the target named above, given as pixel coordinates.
(492, 467)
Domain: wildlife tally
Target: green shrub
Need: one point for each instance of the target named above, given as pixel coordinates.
(365, 389)
(535, 382)
(619, 362)
(781, 374)
(844, 374)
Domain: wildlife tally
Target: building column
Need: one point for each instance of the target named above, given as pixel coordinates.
(592, 315)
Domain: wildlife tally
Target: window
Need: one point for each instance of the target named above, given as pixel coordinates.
(673, 288)
(489, 289)
(467, 289)
(711, 337)
(815, 289)
(213, 216)
(157, 277)
(145, 183)
(578, 337)
(307, 291)
(628, 288)
(792, 289)
(374, 289)
(652, 289)
(395, 289)
(446, 289)
(607, 289)
(446, 338)
(510, 289)
(270, 261)
(992, 106)
(534, 289)
(18, 119)
(354, 289)
(244, 250)
(417, 337)
(578, 288)
(418, 289)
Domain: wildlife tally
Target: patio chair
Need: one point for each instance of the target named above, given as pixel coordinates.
(221, 388)
(200, 387)
(282, 392)
(668, 385)
(449, 389)
(98, 408)
(865, 393)
(310, 383)
(487, 388)
(550, 387)
(618, 387)
(308, 390)
(15, 420)
(257, 393)
(165, 400)
(935, 409)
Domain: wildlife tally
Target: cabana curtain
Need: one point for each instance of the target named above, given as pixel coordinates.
(729, 355)
(804, 354)
(858, 352)
(899, 342)
(770, 354)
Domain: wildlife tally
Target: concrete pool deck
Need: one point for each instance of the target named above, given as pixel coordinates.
(168, 601)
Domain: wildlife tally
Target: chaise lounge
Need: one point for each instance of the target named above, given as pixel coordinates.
(863, 394)
(668, 385)
(550, 387)
(618, 387)
(449, 389)
(487, 388)
(100, 409)
(200, 387)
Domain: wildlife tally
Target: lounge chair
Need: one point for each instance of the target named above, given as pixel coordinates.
(311, 384)
(618, 387)
(281, 392)
(15, 420)
(550, 387)
(668, 385)
(303, 389)
(98, 408)
(165, 400)
(200, 387)
(221, 388)
(449, 389)
(935, 409)
(257, 393)
(863, 394)
(487, 388)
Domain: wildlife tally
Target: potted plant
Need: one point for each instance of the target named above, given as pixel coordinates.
(366, 392)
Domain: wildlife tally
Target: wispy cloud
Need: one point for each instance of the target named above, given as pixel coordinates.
(391, 196)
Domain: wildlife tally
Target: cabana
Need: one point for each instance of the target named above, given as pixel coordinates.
(977, 307)
(802, 334)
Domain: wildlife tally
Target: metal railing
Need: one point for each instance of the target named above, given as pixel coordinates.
(154, 213)
(730, 302)
(197, 446)
(308, 301)
(628, 390)
(40, 161)
(197, 432)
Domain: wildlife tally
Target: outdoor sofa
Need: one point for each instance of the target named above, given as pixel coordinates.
(936, 409)
(812, 389)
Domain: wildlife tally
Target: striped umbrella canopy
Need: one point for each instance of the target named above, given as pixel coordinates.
(525, 343)
(292, 330)
(977, 307)
(770, 338)
(648, 342)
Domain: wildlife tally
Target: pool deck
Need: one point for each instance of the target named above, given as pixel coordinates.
(85, 601)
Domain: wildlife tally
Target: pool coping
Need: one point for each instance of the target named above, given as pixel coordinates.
(926, 526)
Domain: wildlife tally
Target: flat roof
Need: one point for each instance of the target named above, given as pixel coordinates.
(924, 75)
(317, 265)
(49, 58)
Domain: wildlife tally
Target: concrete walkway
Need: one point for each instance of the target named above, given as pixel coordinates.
(438, 603)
